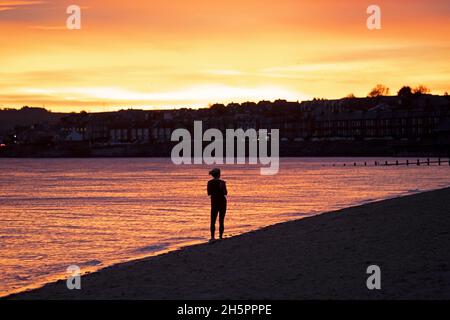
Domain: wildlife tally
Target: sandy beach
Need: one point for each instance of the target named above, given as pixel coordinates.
(323, 257)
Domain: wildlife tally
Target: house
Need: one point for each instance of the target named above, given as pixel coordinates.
(74, 136)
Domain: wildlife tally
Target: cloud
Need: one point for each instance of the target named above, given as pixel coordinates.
(204, 93)
(32, 12)
(114, 98)
(13, 5)
(49, 27)
(224, 72)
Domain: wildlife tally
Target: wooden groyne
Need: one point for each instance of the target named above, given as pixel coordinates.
(402, 162)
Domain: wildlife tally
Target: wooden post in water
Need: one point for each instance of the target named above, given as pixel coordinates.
(418, 162)
(439, 161)
(428, 161)
(396, 163)
(407, 162)
(386, 163)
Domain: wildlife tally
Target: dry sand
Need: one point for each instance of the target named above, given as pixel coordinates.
(323, 257)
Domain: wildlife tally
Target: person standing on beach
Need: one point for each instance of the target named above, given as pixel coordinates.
(217, 190)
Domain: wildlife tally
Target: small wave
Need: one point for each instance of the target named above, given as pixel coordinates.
(366, 201)
(182, 239)
(91, 263)
(9, 237)
(31, 257)
(152, 248)
(22, 277)
(296, 214)
(170, 210)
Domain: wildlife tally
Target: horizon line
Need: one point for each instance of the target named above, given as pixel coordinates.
(173, 108)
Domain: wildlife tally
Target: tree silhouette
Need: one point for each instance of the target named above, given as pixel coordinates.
(421, 89)
(378, 91)
(217, 106)
(405, 91)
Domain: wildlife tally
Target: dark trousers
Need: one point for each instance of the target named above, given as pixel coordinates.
(218, 207)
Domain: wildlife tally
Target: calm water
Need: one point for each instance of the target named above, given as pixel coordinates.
(96, 212)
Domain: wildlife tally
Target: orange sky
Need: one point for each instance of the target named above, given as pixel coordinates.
(159, 53)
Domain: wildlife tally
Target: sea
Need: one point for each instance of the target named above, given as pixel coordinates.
(93, 213)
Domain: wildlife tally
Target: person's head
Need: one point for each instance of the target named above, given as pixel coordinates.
(215, 173)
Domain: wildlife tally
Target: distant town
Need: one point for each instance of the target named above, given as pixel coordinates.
(411, 123)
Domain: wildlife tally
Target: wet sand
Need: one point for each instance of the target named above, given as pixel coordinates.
(322, 257)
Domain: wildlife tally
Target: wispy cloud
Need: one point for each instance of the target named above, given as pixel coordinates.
(13, 5)
(191, 53)
(49, 27)
(204, 93)
(224, 72)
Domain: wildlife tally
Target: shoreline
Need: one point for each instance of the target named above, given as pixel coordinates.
(180, 246)
(93, 269)
(52, 278)
(123, 274)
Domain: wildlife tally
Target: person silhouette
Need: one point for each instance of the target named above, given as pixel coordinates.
(217, 190)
